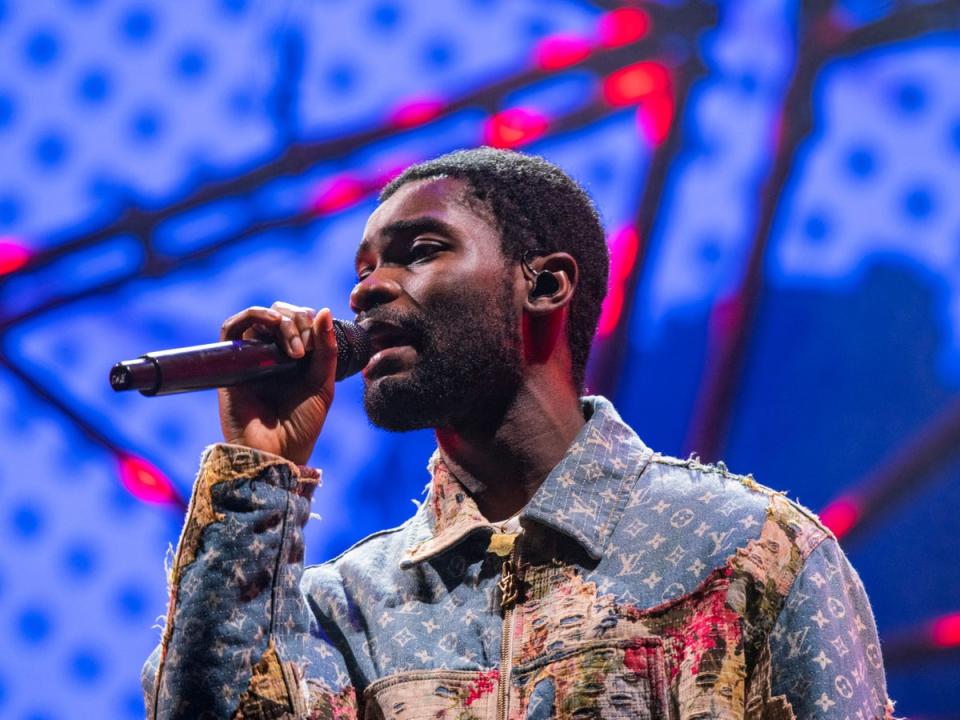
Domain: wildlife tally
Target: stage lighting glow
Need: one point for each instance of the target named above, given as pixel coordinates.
(416, 112)
(561, 51)
(840, 516)
(339, 194)
(145, 482)
(13, 255)
(945, 631)
(624, 245)
(636, 83)
(623, 26)
(515, 127)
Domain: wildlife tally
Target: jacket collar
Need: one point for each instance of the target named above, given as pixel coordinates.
(582, 497)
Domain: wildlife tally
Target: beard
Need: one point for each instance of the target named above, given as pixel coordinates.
(467, 371)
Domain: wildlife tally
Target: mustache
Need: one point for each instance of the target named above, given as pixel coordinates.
(412, 324)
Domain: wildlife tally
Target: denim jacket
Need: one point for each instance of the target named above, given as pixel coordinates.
(640, 586)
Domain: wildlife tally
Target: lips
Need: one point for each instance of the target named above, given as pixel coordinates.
(392, 348)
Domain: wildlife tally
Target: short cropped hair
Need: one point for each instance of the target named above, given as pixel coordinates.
(537, 207)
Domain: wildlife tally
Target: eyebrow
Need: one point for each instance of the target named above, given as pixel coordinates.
(405, 229)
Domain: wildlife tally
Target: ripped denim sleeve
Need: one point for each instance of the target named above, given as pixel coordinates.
(239, 640)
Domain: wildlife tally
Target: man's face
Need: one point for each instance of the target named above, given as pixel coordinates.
(442, 306)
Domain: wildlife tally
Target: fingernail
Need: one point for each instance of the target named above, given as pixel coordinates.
(305, 337)
(297, 345)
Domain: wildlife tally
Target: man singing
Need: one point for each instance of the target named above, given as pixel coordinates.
(557, 568)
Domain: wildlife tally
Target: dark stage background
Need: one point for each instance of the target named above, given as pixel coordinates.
(779, 180)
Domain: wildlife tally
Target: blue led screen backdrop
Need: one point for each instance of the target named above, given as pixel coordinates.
(778, 180)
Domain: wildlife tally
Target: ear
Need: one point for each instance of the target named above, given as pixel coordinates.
(564, 270)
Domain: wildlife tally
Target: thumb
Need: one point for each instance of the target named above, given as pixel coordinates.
(323, 361)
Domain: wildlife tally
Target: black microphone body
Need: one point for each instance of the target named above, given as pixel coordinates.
(223, 364)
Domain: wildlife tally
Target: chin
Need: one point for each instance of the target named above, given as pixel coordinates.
(398, 403)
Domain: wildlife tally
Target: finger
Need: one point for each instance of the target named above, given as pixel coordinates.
(323, 363)
(302, 317)
(234, 326)
(281, 327)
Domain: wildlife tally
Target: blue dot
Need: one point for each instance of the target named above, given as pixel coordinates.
(749, 83)
(38, 715)
(86, 666)
(3, 692)
(33, 624)
(27, 521)
(385, 16)
(861, 162)
(233, 8)
(909, 98)
(601, 173)
(8, 110)
(955, 135)
(240, 103)
(538, 28)
(84, 4)
(342, 78)
(132, 704)
(439, 53)
(10, 210)
(80, 560)
(94, 87)
(138, 25)
(131, 601)
(42, 48)
(816, 227)
(919, 203)
(50, 151)
(146, 125)
(191, 63)
(4, 11)
(710, 252)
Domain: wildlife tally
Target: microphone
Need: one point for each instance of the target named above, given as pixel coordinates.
(223, 364)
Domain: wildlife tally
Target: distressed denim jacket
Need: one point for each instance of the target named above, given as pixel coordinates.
(641, 586)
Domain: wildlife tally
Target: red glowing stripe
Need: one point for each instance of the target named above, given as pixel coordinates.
(945, 631)
(655, 116)
(560, 51)
(624, 246)
(623, 26)
(841, 515)
(13, 255)
(416, 112)
(145, 482)
(515, 127)
(340, 193)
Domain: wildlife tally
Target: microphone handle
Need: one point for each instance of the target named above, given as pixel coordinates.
(223, 364)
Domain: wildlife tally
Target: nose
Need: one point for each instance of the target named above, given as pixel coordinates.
(375, 289)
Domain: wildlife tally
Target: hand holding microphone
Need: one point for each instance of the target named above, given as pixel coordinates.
(277, 416)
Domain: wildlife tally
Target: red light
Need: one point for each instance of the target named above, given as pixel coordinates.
(945, 631)
(416, 112)
(635, 83)
(624, 245)
(145, 482)
(512, 128)
(655, 116)
(623, 26)
(13, 255)
(561, 51)
(341, 193)
(840, 516)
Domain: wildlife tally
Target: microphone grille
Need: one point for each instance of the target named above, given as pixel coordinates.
(353, 348)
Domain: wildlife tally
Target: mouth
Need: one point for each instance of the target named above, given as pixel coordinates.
(392, 347)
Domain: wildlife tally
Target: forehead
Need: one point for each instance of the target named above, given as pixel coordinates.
(444, 199)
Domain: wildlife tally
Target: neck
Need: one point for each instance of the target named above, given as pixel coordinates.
(509, 462)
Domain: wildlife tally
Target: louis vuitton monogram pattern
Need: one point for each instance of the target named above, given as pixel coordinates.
(650, 587)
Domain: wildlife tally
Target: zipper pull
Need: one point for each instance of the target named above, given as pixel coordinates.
(507, 584)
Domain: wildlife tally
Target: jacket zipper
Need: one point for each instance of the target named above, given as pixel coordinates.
(509, 592)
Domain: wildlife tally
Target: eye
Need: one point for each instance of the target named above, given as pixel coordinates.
(423, 250)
